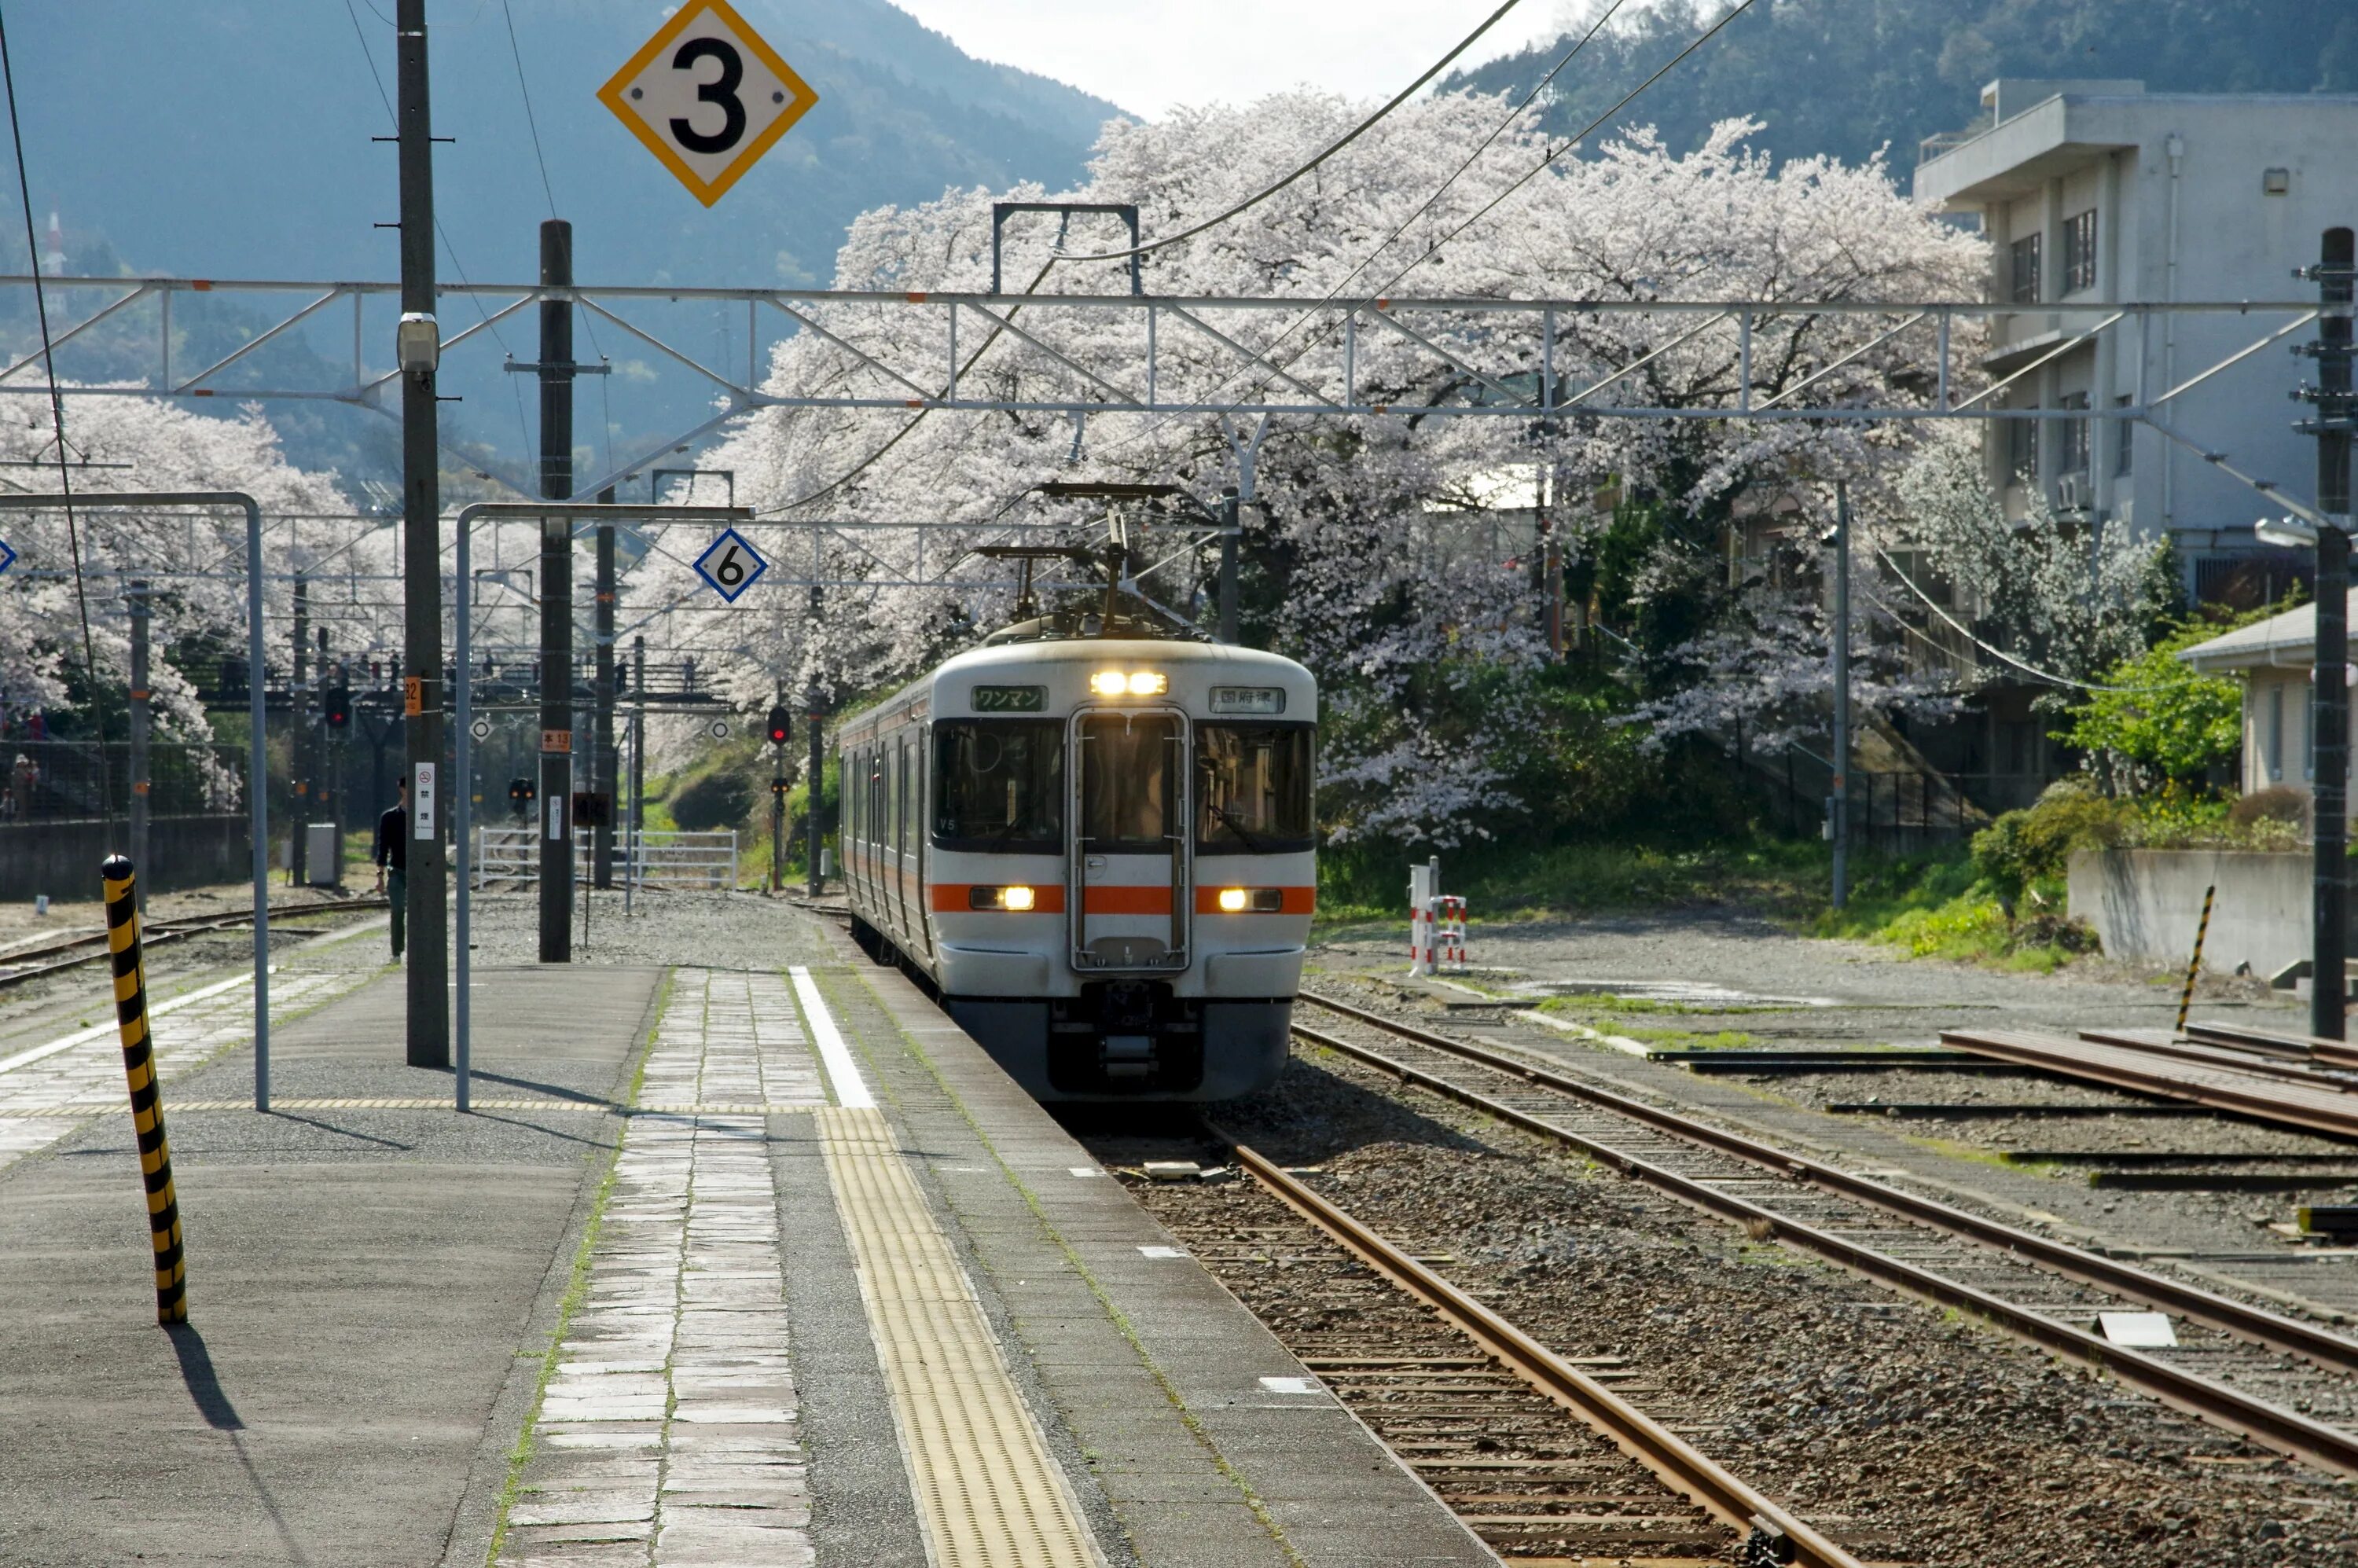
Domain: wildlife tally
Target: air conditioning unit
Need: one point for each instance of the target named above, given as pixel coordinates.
(2074, 493)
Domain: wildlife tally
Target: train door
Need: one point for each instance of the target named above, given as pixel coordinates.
(1130, 904)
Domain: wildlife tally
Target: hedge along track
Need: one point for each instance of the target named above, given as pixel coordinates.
(1395, 1390)
(2032, 1286)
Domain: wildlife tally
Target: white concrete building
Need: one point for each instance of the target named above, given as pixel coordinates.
(2094, 192)
(2273, 659)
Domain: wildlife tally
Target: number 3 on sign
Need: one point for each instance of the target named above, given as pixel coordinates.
(707, 97)
(730, 565)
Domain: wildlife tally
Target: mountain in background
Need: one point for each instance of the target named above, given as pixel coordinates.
(1848, 77)
(232, 139)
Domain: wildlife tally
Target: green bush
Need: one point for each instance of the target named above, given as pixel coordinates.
(2025, 848)
(718, 800)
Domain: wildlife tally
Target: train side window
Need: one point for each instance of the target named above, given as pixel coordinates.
(999, 785)
(1253, 789)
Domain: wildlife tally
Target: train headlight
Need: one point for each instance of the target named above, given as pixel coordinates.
(1130, 683)
(1018, 898)
(1233, 900)
(1259, 901)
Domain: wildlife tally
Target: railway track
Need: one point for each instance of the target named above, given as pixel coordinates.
(2280, 1381)
(27, 964)
(1543, 1456)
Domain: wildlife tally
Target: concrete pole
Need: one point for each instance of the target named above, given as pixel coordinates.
(139, 720)
(632, 851)
(328, 785)
(429, 988)
(2329, 686)
(1231, 516)
(601, 774)
(557, 600)
(1841, 789)
(299, 736)
(819, 755)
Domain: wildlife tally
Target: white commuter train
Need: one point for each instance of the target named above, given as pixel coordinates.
(1098, 852)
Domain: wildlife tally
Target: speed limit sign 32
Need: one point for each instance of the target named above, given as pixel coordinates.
(708, 96)
(730, 565)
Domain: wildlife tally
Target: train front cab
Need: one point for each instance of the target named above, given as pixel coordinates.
(1122, 896)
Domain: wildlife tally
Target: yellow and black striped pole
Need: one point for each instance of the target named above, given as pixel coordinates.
(2194, 965)
(146, 1101)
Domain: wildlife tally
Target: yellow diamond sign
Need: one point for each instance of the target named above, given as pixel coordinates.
(707, 97)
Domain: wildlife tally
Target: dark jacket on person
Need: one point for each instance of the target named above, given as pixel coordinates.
(392, 852)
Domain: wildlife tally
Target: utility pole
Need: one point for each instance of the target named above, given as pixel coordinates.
(555, 372)
(634, 851)
(1231, 517)
(601, 759)
(812, 882)
(140, 714)
(326, 791)
(299, 736)
(1838, 801)
(2337, 410)
(417, 345)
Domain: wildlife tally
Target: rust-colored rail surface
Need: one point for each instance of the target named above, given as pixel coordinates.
(2314, 1106)
(1680, 1464)
(2237, 1409)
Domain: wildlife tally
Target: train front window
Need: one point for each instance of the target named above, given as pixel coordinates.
(1253, 789)
(999, 785)
(1129, 780)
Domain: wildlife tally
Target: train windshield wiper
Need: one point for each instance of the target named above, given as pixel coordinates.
(1244, 838)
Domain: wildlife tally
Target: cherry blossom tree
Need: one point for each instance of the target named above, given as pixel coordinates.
(1434, 201)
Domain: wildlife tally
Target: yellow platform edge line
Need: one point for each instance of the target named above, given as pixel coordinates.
(987, 1487)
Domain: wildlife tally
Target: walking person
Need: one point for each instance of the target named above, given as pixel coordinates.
(391, 857)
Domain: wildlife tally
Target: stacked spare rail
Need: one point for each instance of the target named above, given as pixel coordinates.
(2285, 1382)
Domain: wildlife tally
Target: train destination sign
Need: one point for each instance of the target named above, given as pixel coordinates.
(731, 565)
(1009, 698)
(708, 96)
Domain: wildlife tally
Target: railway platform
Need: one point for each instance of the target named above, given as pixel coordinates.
(766, 1267)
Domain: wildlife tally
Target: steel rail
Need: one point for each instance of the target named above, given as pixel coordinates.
(1681, 1466)
(2270, 1424)
(2058, 1056)
(162, 932)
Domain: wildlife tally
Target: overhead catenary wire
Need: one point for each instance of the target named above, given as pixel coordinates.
(57, 424)
(2051, 677)
(992, 337)
(1353, 134)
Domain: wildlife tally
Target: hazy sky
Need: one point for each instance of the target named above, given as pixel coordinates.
(1148, 55)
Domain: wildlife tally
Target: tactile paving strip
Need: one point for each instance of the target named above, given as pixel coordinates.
(986, 1485)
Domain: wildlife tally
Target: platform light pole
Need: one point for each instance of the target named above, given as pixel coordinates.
(418, 351)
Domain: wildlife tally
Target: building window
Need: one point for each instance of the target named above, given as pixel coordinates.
(2123, 438)
(2071, 437)
(2026, 270)
(2080, 252)
(2022, 449)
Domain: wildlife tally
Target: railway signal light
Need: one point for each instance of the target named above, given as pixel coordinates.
(336, 707)
(520, 795)
(782, 724)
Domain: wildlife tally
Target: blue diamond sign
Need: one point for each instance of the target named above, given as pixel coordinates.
(7, 556)
(730, 565)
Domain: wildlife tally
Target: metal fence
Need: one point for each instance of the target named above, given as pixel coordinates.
(1893, 813)
(659, 859)
(58, 781)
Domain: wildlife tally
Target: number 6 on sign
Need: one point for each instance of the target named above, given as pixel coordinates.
(730, 565)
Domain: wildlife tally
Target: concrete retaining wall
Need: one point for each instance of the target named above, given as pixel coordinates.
(62, 858)
(2145, 904)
